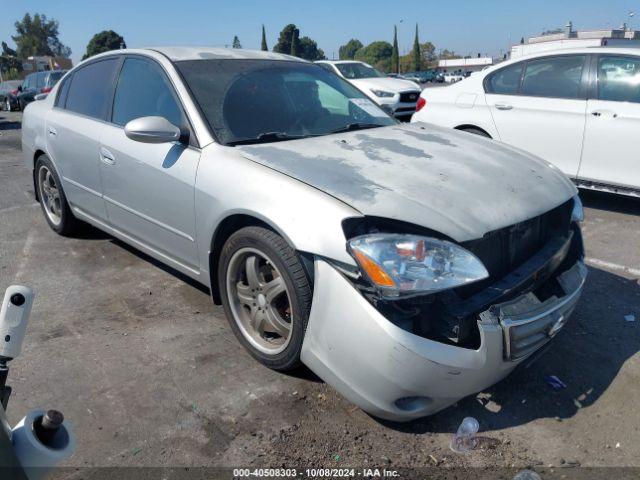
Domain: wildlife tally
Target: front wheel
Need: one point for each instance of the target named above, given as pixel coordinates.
(266, 296)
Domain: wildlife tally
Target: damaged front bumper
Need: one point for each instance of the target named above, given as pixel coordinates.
(397, 375)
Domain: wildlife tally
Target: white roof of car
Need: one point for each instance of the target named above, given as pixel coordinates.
(218, 53)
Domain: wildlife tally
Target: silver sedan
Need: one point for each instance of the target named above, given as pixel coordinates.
(406, 265)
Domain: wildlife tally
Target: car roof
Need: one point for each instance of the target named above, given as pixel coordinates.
(216, 53)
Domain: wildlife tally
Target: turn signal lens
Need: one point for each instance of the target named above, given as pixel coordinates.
(375, 273)
(400, 266)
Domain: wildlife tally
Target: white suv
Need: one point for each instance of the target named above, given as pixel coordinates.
(578, 109)
(396, 95)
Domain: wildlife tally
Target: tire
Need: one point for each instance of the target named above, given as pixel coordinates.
(476, 131)
(53, 201)
(260, 316)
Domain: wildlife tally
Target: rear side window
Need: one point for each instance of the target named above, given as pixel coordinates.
(40, 80)
(556, 77)
(143, 90)
(505, 81)
(619, 79)
(53, 78)
(90, 89)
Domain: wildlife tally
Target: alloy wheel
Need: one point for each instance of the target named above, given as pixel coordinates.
(259, 300)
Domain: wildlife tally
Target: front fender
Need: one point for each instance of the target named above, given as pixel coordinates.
(307, 218)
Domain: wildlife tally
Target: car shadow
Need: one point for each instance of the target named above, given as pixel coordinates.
(587, 356)
(610, 202)
(9, 124)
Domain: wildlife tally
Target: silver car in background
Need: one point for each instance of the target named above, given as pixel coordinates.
(406, 265)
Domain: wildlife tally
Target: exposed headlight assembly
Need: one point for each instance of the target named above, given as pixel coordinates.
(577, 214)
(382, 93)
(400, 266)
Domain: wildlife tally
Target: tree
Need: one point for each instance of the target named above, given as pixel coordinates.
(104, 41)
(416, 52)
(236, 42)
(377, 54)
(348, 51)
(308, 49)
(295, 42)
(448, 55)
(263, 45)
(289, 42)
(38, 36)
(10, 66)
(283, 44)
(395, 54)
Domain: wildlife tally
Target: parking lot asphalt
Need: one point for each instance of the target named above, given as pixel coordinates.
(149, 373)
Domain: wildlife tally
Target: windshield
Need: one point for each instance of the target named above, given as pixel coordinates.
(251, 101)
(357, 70)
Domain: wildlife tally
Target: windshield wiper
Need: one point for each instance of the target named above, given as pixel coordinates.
(266, 137)
(356, 126)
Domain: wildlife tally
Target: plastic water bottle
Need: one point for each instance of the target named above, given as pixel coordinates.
(464, 440)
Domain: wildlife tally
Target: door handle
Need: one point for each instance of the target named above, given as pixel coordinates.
(52, 132)
(107, 157)
(503, 106)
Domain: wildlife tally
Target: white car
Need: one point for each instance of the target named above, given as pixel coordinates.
(579, 109)
(396, 95)
(452, 77)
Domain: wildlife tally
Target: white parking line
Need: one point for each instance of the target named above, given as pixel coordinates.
(613, 266)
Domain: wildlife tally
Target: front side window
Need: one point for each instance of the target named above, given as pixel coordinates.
(247, 100)
(555, 77)
(143, 90)
(619, 79)
(28, 82)
(356, 70)
(505, 81)
(90, 90)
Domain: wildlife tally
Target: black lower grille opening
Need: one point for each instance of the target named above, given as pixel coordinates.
(501, 251)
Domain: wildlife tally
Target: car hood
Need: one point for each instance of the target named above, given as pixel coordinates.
(385, 83)
(453, 182)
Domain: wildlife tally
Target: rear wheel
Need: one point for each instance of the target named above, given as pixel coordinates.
(266, 296)
(53, 200)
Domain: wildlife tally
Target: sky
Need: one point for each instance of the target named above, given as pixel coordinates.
(468, 27)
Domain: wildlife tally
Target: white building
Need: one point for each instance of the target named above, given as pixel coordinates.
(570, 38)
(465, 64)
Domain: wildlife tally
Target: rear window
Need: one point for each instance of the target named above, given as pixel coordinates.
(91, 87)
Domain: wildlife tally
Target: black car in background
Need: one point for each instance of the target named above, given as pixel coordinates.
(37, 83)
(9, 94)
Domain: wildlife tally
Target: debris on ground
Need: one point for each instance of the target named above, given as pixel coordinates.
(630, 318)
(464, 440)
(555, 382)
(527, 475)
(577, 403)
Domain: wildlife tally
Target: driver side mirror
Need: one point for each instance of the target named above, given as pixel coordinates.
(152, 130)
